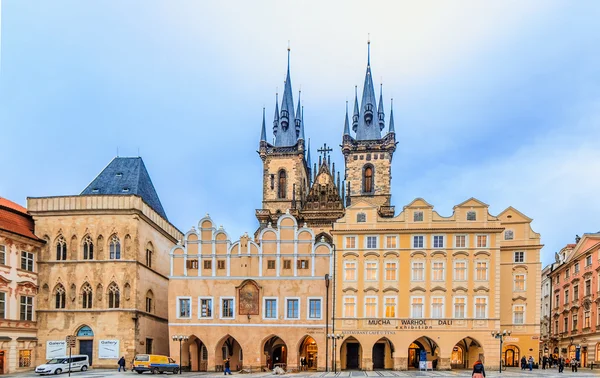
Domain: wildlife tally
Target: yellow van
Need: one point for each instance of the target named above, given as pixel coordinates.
(155, 364)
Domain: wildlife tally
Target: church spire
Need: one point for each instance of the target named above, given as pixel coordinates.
(286, 132)
(346, 122)
(298, 120)
(380, 112)
(392, 130)
(367, 129)
(263, 130)
(301, 124)
(276, 117)
(356, 111)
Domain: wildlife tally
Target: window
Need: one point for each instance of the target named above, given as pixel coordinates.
(148, 304)
(576, 268)
(184, 308)
(556, 300)
(287, 264)
(519, 314)
(482, 241)
(302, 264)
(88, 248)
(460, 305)
(575, 316)
(26, 308)
(27, 261)
(370, 307)
(192, 264)
(371, 271)
(418, 241)
(270, 264)
(480, 307)
(349, 271)
(471, 215)
(149, 258)
(460, 270)
(61, 248)
(418, 216)
(437, 271)
(438, 241)
(588, 260)
(437, 307)
(292, 308)
(24, 358)
(391, 241)
(2, 305)
(418, 271)
(509, 235)
(566, 296)
(368, 179)
(115, 248)
(519, 257)
(390, 271)
(314, 308)
(371, 242)
(390, 307)
(227, 307)
(86, 296)
(481, 270)
(588, 287)
(460, 241)
(566, 324)
(416, 306)
(349, 307)
(270, 308)
(567, 273)
(282, 184)
(350, 242)
(206, 307)
(114, 296)
(586, 319)
(519, 282)
(207, 264)
(149, 348)
(2, 255)
(59, 297)
(361, 218)
(220, 264)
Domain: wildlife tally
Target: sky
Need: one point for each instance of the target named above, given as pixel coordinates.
(497, 100)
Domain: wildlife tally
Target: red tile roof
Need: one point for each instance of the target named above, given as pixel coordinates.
(14, 218)
(11, 205)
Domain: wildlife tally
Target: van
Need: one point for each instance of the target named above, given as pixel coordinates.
(79, 362)
(155, 364)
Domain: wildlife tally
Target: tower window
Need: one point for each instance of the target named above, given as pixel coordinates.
(282, 184)
(368, 179)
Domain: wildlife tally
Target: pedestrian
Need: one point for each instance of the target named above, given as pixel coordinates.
(561, 364)
(544, 361)
(122, 363)
(574, 363)
(523, 363)
(478, 370)
(530, 363)
(227, 367)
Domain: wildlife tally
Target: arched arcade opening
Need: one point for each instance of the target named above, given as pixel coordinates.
(229, 349)
(465, 353)
(423, 351)
(308, 354)
(194, 354)
(383, 354)
(274, 353)
(350, 354)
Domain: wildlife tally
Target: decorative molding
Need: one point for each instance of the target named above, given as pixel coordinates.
(435, 253)
(438, 288)
(482, 253)
(418, 253)
(394, 253)
(417, 288)
(519, 266)
(350, 253)
(481, 288)
(371, 288)
(460, 288)
(350, 289)
(390, 288)
(371, 253)
(519, 298)
(457, 253)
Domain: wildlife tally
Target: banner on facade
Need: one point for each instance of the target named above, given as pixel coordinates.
(57, 348)
(108, 349)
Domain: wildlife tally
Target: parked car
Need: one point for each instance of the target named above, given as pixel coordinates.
(79, 362)
(155, 364)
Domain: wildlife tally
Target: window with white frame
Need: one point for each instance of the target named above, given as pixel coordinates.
(460, 307)
(437, 271)
(227, 308)
(566, 323)
(460, 270)
(575, 319)
(390, 306)
(438, 241)
(371, 242)
(437, 307)
(519, 257)
(27, 261)
(481, 270)
(350, 242)
(576, 267)
(519, 314)
(509, 235)
(416, 307)
(575, 292)
(391, 241)
(588, 260)
(184, 307)
(370, 307)
(26, 309)
(371, 271)
(2, 254)
(460, 241)
(418, 216)
(418, 270)
(292, 308)
(588, 287)
(482, 241)
(205, 307)
(270, 308)
(2, 305)
(566, 296)
(349, 306)
(314, 308)
(586, 319)
(391, 269)
(418, 241)
(480, 307)
(349, 270)
(519, 282)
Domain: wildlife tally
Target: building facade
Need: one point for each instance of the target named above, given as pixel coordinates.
(103, 273)
(19, 252)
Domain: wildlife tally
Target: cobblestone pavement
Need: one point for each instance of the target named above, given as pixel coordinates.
(510, 372)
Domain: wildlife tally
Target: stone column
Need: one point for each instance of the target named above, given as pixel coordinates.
(400, 363)
(444, 363)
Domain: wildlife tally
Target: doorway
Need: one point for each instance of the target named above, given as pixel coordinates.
(511, 355)
(86, 347)
(2, 354)
(379, 356)
(352, 355)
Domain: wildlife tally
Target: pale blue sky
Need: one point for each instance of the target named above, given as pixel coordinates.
(495, 100)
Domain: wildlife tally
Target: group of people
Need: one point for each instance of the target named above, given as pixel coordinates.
(560, 362)
(527, 363)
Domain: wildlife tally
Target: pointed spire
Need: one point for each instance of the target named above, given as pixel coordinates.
(346, 122)
(263, 130)
(287, 104)
(380, 112)
(369, 50)
(356, 111)
(286, 131)
(301, 124)
(308, 162)
(367, 129)
(298, 120)
(276, 118)
(392, 130)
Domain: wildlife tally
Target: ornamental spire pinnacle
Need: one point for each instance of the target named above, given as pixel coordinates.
(356, 111)
(368, 128)
(287, 133)
(380, 112)
(346, 122)
(392, 129)
(263, 130)
(276, 117)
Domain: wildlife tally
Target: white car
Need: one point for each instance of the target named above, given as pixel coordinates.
(79, 362)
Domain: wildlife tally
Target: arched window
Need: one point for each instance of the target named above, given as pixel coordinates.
(282, 184)
(149, 301)
(61, 248)
(88, 248)
(368, 179)
(115, 248)
(86, 295)
(59, 296)
(114, 296)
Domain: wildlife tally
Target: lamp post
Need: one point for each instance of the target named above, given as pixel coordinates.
(334, 337)
(181, 339)
(327, 322)
(501, 336)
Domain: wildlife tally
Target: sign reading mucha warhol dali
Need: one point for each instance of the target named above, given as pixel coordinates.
(248, 294)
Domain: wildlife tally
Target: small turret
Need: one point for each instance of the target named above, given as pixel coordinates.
(356, 111)
(276, 117)
(380, 112)
(392, 129)
(298, 120)
(346, 122)
(263, 130)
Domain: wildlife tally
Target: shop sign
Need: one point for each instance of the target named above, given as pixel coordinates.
(408, 323)
(108, 349)
(56, 349)
(510, 339)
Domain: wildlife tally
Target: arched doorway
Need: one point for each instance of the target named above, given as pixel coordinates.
(465, 353)
(307, 354)
(423, 350)
(275, 352)
(85, 338)
(196, 358)
(383, 354)
(511, 355)
(351, 354)
(229, 348)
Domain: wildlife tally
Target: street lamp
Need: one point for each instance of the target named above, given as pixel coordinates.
(327, 322)
(501, 336)
(181, 339)
(334, 337)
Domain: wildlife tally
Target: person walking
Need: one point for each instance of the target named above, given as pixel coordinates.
(227, 367)
(561, 364)
(122, 363)
(574, 364)
(530, 363)
(478, 370)
(523, 363)
(544, 361)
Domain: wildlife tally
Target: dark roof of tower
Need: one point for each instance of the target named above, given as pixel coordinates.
(125, 176)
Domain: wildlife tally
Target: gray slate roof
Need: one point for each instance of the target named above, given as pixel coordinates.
(126, 176)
